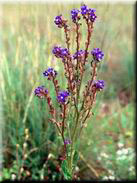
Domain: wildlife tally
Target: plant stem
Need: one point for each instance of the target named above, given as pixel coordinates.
(90, 84)
(72, 145)
(94, 95)
(64, 116)
(66, 30)
(90, 27)
(77, 66)
(75, 103)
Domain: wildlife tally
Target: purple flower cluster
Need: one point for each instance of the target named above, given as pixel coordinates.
(67, 141)
(99, 84)
(84, 10)
(60, 52)
(40, 91)
(50, 72)
(97, 54)
(62, 96)
(74, 14)
(92, 15)
(58, 21)
(88, 11)
(79, 54)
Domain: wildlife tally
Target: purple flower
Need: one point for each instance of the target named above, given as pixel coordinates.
(88, 11)
(62, 96)
(50, 72)
(40, 91)
(92, 15)
(99, 84)
(79, 54)
(58, 21)
(84, 10)
(60, 52)
(67, 141)
(97, 54)
(74, 14)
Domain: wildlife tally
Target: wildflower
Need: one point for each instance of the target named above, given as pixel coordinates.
(40, 91)
(67, 141)
(99, 84)
(79, 54)
(88, 11)
(58, 21)
(60, 52)
(63, 96)
(50, 72)
(92, 15)
(84, 10)
(74, 14)
(97, 54)
(74, 72)
(64, 52)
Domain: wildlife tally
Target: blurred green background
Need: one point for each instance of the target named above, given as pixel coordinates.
(27, 35)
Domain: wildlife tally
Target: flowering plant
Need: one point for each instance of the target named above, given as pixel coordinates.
(74, 107)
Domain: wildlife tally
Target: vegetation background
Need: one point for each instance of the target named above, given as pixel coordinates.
(27, 36)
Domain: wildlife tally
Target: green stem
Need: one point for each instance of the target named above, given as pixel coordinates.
(72, 146)
(70, 161)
